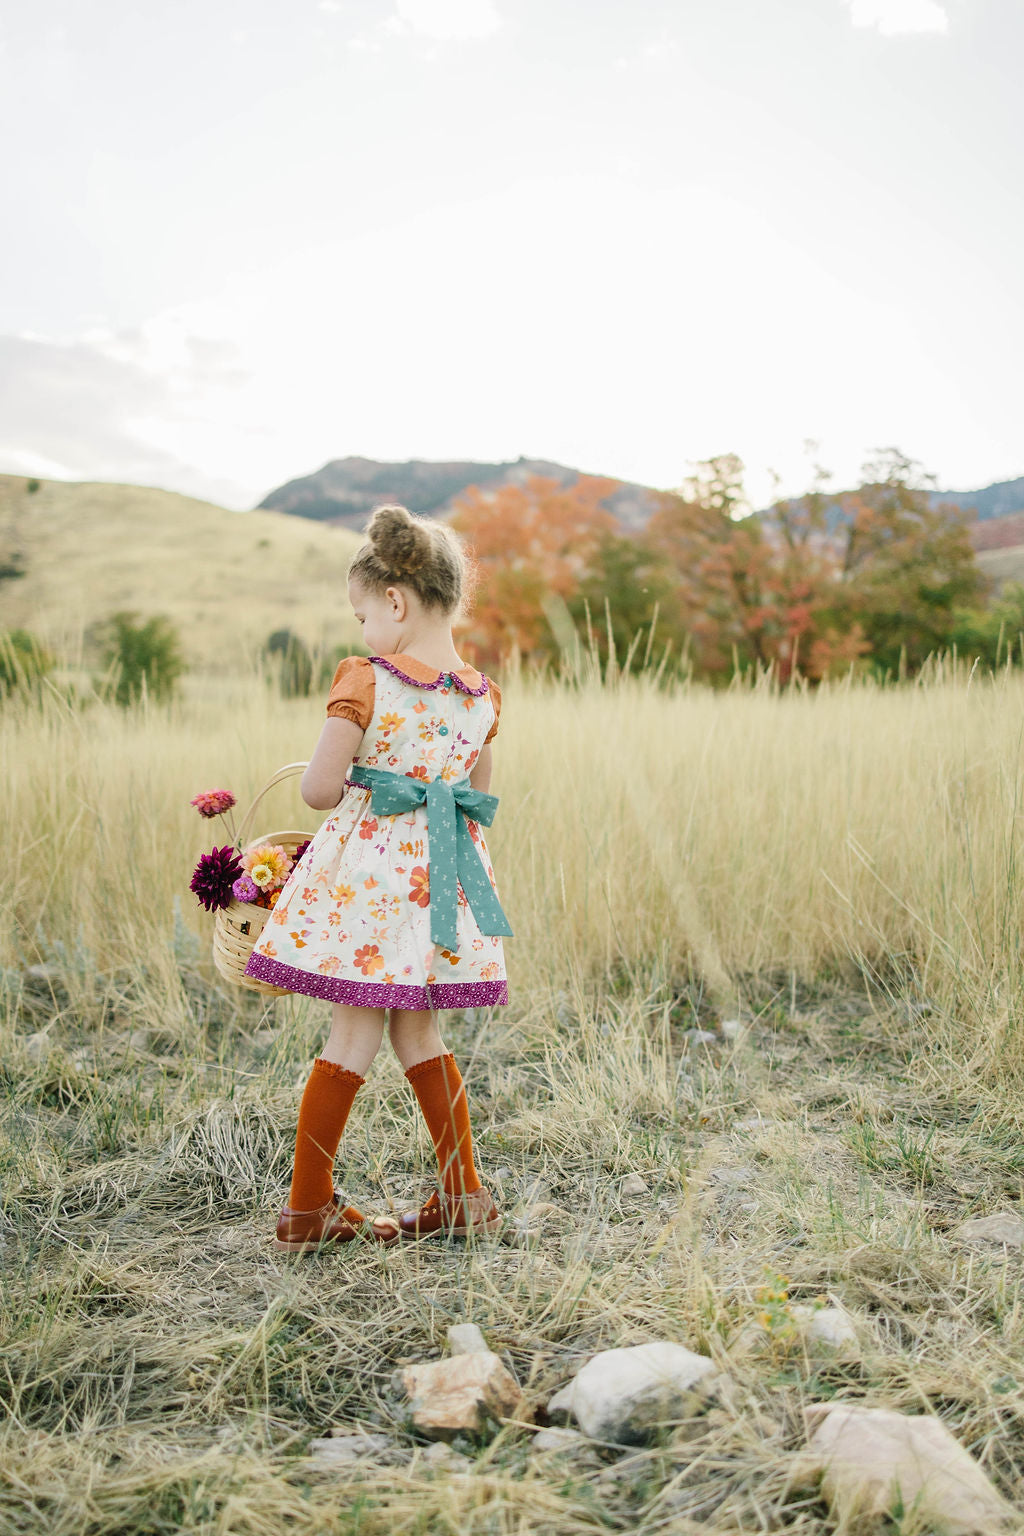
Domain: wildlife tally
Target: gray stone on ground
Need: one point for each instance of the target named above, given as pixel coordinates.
(622, 1394)
(633, 1184)
(440, 1454)
(700, 1037)
(871, 1460)
(344, 1445)
(1003, 1227)
(464, 1394)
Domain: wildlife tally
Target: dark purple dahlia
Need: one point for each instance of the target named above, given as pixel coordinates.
(214, 876)
(300, 850)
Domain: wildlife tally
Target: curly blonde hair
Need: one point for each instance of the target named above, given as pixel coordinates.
(407, 550)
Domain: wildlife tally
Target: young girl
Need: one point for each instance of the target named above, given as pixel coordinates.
(393, 908)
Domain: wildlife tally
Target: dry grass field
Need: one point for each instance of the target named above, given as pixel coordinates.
(839, 871)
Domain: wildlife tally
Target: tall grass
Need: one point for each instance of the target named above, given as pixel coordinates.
(647, 830)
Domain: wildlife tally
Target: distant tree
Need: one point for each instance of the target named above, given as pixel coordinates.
(31, 486)
(635, 585)
(140, 655)
(530, 541)
(995, 633)
(907, 566)
(295, 671)
(24, 661)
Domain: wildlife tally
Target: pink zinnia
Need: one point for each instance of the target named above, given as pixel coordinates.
(213, 802)
(245, 889)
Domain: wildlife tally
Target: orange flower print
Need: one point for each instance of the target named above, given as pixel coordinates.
(471, 759)
(279, 917)
(426, 729)
(266, 947)
(391, 722)
(389, 979)
(333, 918)
(370, 883)
(419, 886)
(368, 959)
(300, 938)
(490, 971)
(328, 966)
(450, 772)
(309, 894)
(343, 894)
(474, 830)
(368, 828)
(419, 772)
(419, 707)
(478, 943)
(452, 959)
(431, 978)
(392, 760)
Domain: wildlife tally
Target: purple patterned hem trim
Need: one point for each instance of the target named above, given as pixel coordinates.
(440, 683)
(378, 994)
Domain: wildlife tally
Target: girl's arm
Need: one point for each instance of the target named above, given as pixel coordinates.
(480, 777)
(323, 782)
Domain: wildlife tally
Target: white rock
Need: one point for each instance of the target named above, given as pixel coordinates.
(633, 1184)
(140, 1040)
(349, 1445)
(621, 1394)
(870, 1458)
(827, 1331)
(732, 1028)
(460, 1395)
(559, 1439)
(466, 1339)
(1004, 1227)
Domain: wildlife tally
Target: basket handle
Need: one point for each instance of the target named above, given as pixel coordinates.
(247, 820)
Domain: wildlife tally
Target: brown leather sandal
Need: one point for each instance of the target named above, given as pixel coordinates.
(306, 1231)
(443, 1213)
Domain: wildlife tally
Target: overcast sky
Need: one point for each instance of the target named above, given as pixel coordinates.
(243, 239)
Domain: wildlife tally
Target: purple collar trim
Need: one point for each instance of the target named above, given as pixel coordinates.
(442, 678)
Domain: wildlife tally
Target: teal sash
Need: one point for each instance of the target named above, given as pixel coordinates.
(454, 857)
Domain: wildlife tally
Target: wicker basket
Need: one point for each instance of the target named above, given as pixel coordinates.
(238, 925)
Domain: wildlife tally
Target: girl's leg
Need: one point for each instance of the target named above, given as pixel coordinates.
(437, 1084)
(337, 1075)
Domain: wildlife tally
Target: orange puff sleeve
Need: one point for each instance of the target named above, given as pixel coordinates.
(352, 691)
(495, 693)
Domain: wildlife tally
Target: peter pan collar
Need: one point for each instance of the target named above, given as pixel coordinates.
(416, 672)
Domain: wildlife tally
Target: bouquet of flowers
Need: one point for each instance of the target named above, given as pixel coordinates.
(225, 874)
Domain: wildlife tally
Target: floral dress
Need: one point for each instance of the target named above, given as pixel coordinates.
(353, 921)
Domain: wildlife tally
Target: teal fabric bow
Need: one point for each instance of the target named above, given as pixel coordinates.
(454, 857)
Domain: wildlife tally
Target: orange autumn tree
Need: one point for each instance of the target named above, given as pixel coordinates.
(530, 542)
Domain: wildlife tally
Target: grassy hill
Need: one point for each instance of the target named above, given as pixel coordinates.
(226, 579)
(1003, 565)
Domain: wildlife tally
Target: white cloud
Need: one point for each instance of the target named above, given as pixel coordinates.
(437, 20)
(893, 17)
(450, 19)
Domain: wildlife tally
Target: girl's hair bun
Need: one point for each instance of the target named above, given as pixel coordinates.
(401, 544)
(420, 552)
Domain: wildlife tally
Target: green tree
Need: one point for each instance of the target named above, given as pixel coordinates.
(294, 666)
(638, 586)
(140, 655)
(907, 567)
(24, 661)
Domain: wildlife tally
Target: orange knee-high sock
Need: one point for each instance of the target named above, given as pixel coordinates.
(323, 1111)
(437, 1084)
